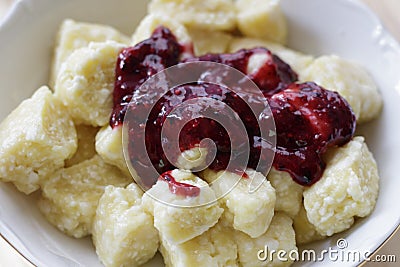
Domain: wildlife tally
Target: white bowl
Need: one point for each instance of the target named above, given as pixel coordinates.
(343, 27)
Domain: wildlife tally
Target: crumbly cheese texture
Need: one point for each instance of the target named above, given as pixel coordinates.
(74, 35)
(70, 196)
(85, 83)
(86, 149)
(216, 247)
(297, 60)
(289, 194)
(249, 201)
(207, 41)
(35, 139)
(203, 14)
(280, 236)
(109, 147)
(351, 81)
(181, 218)
(123, 233)
(261, 19)
(305, 231)
(152, 21)
(348, 188)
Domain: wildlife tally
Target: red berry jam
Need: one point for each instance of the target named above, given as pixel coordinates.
(270, 77)
(308, 118)
(180, 189)
(136, 64)
(229, 147)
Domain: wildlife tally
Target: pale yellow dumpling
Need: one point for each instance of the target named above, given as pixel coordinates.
(204, 14)
(109, 147)
(35, 140)
(70, 196)
(348, 189)
(74, 35)
(180, 218)
(216, 247)
(249, 202)
(152, 21)
(262, 19)
(123, 233)
(208, 41)
(280, 236)
(85, 83)
(289, 194)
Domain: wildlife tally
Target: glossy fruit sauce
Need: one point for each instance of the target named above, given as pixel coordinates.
(308, 118)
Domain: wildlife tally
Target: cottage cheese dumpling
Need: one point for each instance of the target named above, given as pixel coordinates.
(203, 14)
(123, 233)
(86, 149)
(348, 188)
(351, 81)
(261, 19)
(85, 83)
(180, 217)
(289, 194)
(35, 139)
(305, 231)
(74, 35)
(216, 247)
(70, 196)
(206, 42)
(152, 21)
(280, 236)
(248, 211)
(297, 60)
(109, 147)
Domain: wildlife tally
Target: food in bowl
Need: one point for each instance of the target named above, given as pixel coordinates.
(88, 195)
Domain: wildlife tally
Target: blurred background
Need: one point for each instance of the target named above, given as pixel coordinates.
(4, 5)
(387, 10)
